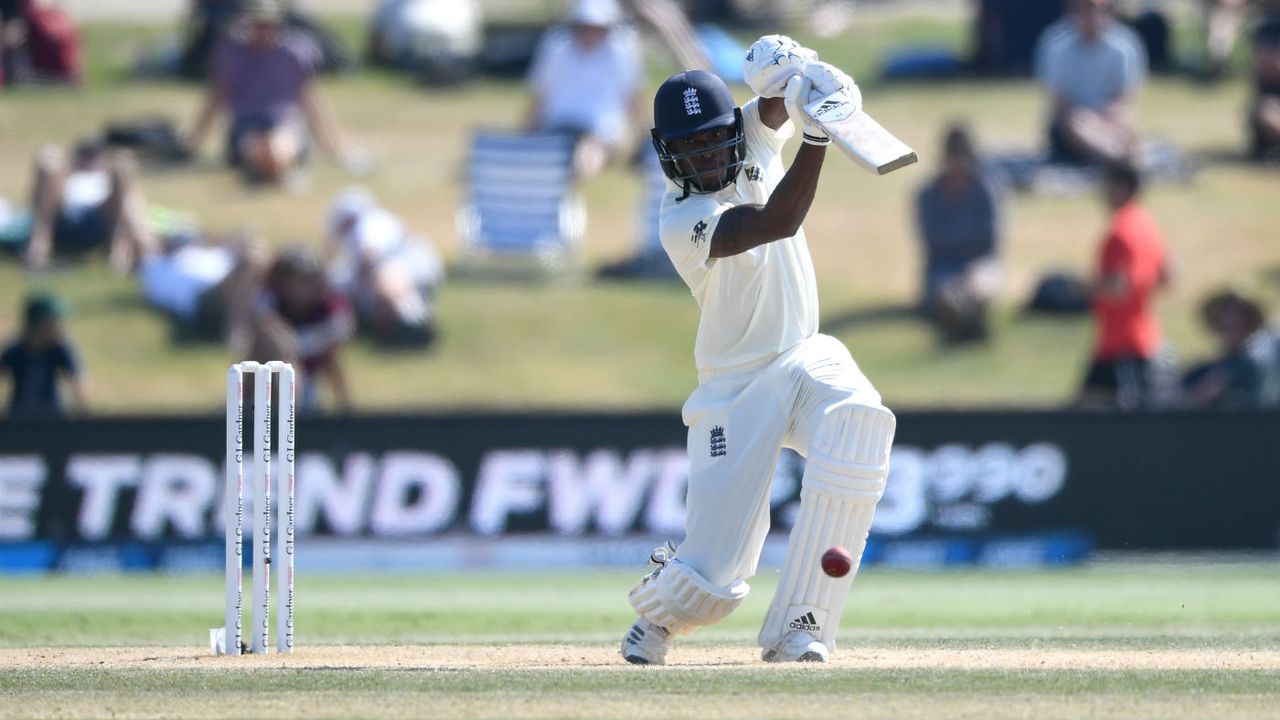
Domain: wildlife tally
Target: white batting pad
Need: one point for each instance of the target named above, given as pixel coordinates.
(843, 480)
(680, 600)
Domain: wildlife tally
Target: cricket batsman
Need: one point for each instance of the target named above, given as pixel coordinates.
(731, 223)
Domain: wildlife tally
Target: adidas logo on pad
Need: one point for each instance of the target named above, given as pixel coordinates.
(806, 622)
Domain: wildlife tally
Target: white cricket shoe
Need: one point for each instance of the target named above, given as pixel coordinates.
(646, 644)
(796, 646)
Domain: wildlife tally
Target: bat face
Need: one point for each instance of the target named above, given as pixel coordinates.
(858, 135)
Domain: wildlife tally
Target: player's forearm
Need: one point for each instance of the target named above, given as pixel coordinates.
(773, 112)
(791, 200)
(749, 226)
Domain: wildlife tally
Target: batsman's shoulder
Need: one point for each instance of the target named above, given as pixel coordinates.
(688, 222)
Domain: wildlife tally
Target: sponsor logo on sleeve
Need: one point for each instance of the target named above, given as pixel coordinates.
(699, 233)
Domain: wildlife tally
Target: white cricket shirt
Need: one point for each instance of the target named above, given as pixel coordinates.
(756, 304)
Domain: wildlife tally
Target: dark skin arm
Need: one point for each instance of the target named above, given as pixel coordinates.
(748, 226)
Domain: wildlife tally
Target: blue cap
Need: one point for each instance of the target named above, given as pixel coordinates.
(691, 102)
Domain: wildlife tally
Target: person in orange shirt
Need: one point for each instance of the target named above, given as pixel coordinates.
(1132, 265)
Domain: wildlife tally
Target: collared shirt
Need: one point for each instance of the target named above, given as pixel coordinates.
(1090, 74)
(755, 304)
(265, 84)
(1127, 326)
(586, 91)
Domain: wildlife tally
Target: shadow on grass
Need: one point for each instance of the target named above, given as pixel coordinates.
(1235, 157)
(875, 315)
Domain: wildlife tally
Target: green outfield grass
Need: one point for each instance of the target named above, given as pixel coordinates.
(1174, 641)
(587, 345)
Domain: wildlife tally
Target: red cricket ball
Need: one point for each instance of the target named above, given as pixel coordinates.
(837, 562)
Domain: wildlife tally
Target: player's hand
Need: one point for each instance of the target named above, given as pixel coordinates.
(798, 91)
(772, 61)
(827, 80)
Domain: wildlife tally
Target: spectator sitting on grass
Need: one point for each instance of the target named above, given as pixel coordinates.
(1233, 379)
(438, 40)
(301, 319)
(586, 80)
(263, 75)
(1131, 267)
(38, 360)
(207, 288)
(208, 19)
(95, 202)
(1091, 66)
(958, 217)
(391, 275)
(1264, 115)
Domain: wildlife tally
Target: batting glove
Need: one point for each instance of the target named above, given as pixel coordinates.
(827, 79)
(772, 61)
(797, 95)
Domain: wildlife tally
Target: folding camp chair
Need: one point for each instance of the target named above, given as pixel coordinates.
(522, 210)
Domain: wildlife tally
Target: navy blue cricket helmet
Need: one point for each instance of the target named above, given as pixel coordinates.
(689, 103)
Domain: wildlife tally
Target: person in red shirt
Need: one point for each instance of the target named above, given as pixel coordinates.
(1131, 267)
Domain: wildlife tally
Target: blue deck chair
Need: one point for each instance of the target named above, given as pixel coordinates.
(521, 210)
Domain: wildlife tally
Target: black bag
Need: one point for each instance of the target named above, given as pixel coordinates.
(151, 137)
(1060, 292)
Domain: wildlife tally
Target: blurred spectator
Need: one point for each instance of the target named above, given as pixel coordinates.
(438, 40)
(958, 218)
(262, 74)
(1131, 267)
(1005, 33)
(206, 23)
(1264, 116)
(207, 288)
(301, 319)
(38, 43)
(1152, 29)
(209, 19)
(587, 80)
(1233, 379)
(38, 359)
(1221, 26)
(1091, 66)
(391, 275)
(94, 202)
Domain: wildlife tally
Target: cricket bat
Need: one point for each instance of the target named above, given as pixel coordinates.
(858, 135)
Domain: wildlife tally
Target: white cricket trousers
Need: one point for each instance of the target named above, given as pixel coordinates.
(739, 421)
